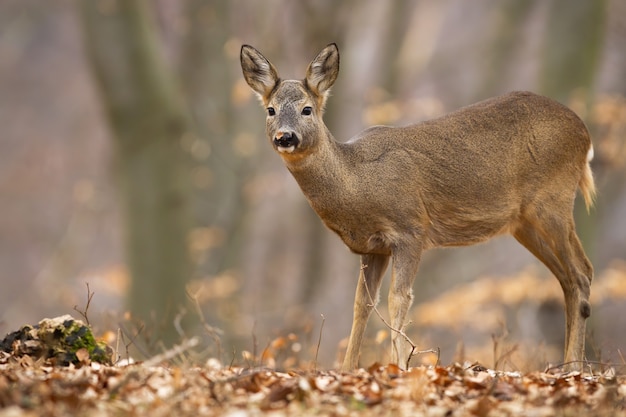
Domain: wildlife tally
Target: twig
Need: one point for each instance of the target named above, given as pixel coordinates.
(500, 357)
(265, 352)
(120, 335)
(173, 352)
(213, 332)
(178, 322)
(401, 332)
(84, 313)
(232, 361)
(584, 362)
(132, 340)
(154, 361)
(255, 342)
(505, 357)
(319, 342)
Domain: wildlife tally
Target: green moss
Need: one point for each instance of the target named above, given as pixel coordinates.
(57, 339)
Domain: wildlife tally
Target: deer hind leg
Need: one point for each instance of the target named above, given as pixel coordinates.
(404, 270)
(372, 269)
(552, 239)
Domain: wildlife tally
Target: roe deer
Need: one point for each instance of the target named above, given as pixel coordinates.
(510, 164)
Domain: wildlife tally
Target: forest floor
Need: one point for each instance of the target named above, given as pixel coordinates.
(30, 387)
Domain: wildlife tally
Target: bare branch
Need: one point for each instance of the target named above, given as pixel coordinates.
(319, 341)
(84, 312)
(173, 352)
(122, 331)
(212, 331)
(414, 351)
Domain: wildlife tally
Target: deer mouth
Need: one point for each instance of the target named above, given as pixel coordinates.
(286, 142)
(287, 149)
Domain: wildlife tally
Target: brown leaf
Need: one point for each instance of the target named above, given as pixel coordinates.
(82, 355)
(26, 361)
(394, 370)
(372, 394)
(279, 343)
(503, 391)
(281, 391)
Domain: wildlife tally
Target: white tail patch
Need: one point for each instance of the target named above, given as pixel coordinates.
(586, 184)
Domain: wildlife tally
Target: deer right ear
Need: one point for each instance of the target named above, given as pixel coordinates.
(258, 72)
(323, 70)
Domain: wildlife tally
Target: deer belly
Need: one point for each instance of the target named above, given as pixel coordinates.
(463, 231)
(363, 239)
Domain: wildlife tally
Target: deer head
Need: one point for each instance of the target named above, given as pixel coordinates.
(294, 108)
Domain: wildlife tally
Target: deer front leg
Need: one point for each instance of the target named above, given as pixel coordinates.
(372, 269)
(404, 270)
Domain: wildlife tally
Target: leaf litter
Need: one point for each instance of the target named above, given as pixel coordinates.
(64, 375)
(28, 387)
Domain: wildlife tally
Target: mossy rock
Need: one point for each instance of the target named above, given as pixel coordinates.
(57, 340)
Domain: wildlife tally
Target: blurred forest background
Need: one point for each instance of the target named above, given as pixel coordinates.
(133, 158)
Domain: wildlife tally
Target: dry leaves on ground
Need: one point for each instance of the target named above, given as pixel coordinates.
(31, 388)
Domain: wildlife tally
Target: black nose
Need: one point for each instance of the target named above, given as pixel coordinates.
(286, 140)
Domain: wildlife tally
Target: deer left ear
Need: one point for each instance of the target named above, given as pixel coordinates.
(258, 72)
(323, 70)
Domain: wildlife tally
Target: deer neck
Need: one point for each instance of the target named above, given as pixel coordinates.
(320, 173)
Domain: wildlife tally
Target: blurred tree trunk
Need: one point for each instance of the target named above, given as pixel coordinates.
(148, 120)
(207, 76)
(571, 57)
(573, 45)
(508, 35)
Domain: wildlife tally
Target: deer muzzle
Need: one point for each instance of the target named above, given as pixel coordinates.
(286, 142)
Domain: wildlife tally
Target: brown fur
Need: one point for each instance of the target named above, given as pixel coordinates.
(510, 164)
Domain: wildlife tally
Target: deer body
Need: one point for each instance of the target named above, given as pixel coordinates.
(510, 164)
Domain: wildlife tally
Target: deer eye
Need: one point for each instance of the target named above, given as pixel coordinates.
(271, 111)
(307, 111)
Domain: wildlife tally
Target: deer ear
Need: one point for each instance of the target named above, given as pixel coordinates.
(258, 72)
(323, 70)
